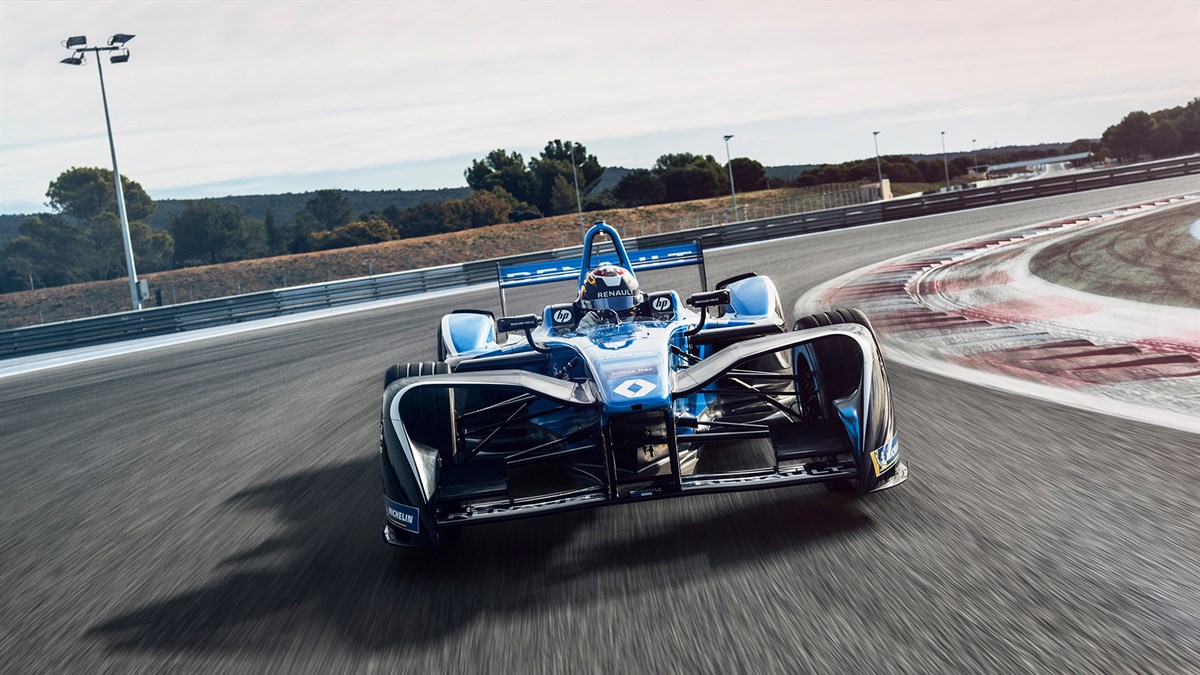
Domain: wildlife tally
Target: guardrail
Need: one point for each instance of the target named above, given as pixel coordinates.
(233, 309)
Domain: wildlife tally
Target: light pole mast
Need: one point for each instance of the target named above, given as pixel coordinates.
(945, 165)
(976, 153)
(878, 166)
(115, 43)
(575, 174)
(732, 189)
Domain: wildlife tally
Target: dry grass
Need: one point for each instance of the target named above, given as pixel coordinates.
(247, 276)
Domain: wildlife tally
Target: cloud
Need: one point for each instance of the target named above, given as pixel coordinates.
(218, 92)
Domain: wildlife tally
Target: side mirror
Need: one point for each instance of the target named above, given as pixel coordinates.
(709, 299)
(702, 301)
(523, 322)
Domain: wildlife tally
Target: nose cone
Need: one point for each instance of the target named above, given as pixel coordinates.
(630, 365)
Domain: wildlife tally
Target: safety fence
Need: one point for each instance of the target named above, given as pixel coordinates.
(239, 308)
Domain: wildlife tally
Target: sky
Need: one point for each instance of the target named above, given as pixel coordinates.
(266, 97)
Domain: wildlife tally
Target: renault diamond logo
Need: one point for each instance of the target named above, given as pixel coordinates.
(635, 388)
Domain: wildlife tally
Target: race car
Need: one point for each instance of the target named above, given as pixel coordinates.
(621, 395)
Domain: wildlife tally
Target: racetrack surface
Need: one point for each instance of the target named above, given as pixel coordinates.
(215, 506)
(1152, 259)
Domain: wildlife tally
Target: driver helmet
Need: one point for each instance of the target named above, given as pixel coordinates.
(610, 287)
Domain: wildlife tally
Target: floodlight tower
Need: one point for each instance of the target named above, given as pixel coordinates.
(732, 189)
(575, 175)
(945, 165)
(878, 166)
(116, 43)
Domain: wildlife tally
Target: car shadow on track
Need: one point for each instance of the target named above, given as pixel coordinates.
(325, 573)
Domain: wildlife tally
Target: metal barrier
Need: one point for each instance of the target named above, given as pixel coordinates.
(238, 308)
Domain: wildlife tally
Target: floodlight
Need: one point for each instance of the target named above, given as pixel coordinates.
(118, 54)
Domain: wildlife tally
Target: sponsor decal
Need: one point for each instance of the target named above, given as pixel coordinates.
(624, 355)
(662, 304)
(635, 388)
(614, 294)
(562, 316)
(403, 516)
(630, 372)
(886, 455)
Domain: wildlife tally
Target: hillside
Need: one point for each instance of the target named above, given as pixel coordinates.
(196, 283)
(284, 205)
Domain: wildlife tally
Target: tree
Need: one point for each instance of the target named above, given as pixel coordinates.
(686, 176)
(275, 238)
(554, 163)
(1166, 139)
(690, 183)
(600, 201)
(640, 187)
(748, 175)
(87, 193)
(562, 197)
(208, 233)
(497, 160)
(479, 209)
(505, 170)
(357, 233)
(567, 152)
(153, 250)
(86, 196)
(678, 160)
(1188, 121)
(1077, 146)
(1131, 136)
(47, 251)
(537, 183)
(900, 169)
(524, 211)
(423, 219)
(329, 209)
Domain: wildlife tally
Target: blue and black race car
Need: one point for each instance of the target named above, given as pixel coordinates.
(622, 395)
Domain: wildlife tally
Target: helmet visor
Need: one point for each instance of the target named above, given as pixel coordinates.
(619, 303)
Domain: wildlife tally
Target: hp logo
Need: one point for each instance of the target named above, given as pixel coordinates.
(562, 316)
(661, 304)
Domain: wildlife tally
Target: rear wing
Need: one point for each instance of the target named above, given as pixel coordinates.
(549, 271)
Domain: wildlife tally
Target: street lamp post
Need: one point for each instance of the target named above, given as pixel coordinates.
(945, 164)
(732, 189)
(976, 154)
(578, 200)
(878, 166)
(115, 43)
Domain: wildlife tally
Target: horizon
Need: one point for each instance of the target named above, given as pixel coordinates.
(210, 111)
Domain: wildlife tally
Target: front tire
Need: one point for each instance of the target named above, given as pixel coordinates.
(433, 407)
(839, 382)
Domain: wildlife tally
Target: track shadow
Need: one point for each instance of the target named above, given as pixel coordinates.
(326, 572)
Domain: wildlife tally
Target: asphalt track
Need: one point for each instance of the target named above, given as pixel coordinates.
(215, 506)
